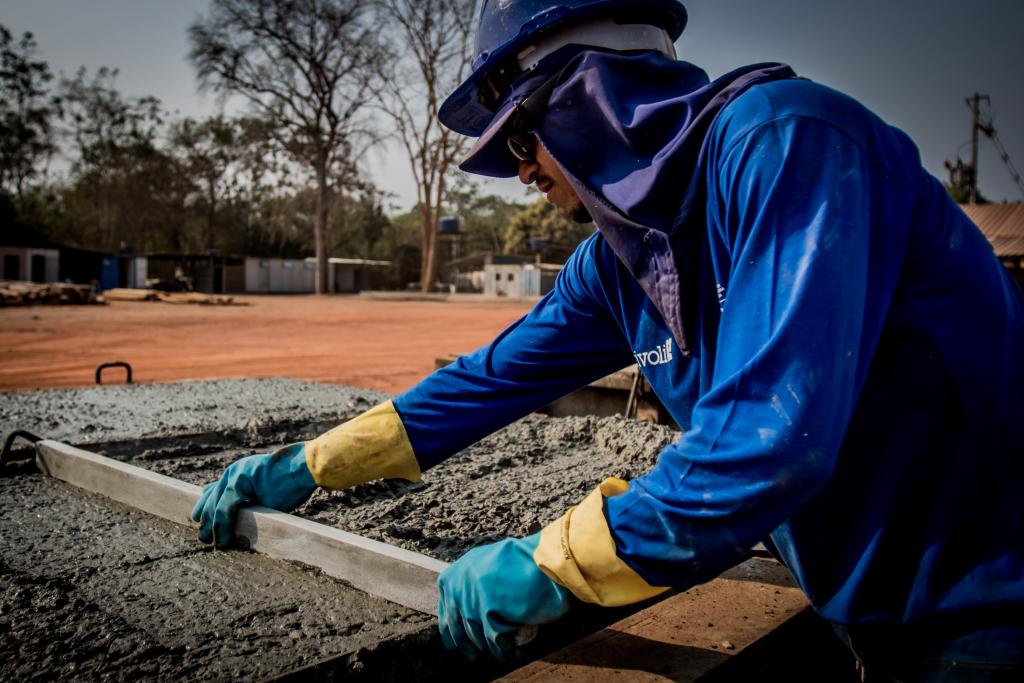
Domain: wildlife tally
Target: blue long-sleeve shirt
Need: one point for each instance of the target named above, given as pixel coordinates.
(855, 391)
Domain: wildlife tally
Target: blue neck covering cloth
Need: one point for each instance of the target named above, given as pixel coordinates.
(628, 131)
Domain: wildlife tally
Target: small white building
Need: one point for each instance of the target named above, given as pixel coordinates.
(32, 264)
(518, 280)
(508, 279)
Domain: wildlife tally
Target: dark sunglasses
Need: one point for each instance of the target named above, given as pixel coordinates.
(523, 145)
(527, 114)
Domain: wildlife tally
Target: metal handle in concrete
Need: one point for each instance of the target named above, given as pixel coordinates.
(396, 574)
(115, 364)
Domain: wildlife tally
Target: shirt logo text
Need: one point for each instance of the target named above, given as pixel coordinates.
(658, 356)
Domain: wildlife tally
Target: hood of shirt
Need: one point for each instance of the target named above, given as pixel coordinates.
(628, 131)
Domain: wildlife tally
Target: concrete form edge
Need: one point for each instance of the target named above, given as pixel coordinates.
(396, 574)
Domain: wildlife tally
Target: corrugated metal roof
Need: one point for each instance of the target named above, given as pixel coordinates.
(1002, 224)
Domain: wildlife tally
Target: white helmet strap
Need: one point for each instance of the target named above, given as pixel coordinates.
(605, 33)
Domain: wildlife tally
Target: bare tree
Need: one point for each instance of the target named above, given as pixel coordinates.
(302, 65)
(436, 35)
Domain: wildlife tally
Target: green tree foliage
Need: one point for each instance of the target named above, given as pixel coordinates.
(483, 220)
(27, 111)
(557, 233)
(125, 191)
(105, 125)
(404, 247)
(356, 228)
(207, 151)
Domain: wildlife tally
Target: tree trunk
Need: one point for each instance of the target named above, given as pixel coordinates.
(320, 231)
(210, 215)
(106, 231)
(433, 213)
(428, 259)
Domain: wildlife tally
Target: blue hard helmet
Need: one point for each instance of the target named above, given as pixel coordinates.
(510, 35)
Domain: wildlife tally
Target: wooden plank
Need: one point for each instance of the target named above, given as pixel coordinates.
(195, 298)
(128, 294)
(396, 574)
(681, 638)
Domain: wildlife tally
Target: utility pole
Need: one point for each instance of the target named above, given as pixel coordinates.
(974, 103)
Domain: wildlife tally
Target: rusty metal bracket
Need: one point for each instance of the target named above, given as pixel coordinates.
(5, 454)
(114, 364)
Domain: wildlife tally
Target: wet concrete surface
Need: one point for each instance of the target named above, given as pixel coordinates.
(510, 484)
(91, 589)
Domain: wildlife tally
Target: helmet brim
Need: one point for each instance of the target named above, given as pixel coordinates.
(490, 156)
(462, 112)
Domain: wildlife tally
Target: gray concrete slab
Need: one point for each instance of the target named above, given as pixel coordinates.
(91, 589)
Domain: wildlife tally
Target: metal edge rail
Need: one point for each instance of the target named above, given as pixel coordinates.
(401, 576)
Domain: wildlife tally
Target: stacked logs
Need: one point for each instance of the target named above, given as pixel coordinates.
(18, 293)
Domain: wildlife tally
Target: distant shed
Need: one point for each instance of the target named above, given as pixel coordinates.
(30, 263)
(27, 256)
(353, 275)
(279, 275)
(298, 276)
(1003, 226)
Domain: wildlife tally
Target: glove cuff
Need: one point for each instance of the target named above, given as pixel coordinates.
(371, 446)
(577, 551)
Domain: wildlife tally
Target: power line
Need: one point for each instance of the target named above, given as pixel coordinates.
(1001, 149)
(1006, 160)
(989, 129)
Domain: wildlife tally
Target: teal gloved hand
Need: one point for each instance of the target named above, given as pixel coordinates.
(279, 480)
(489, 592)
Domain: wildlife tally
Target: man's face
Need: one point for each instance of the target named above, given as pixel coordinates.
(552, 182)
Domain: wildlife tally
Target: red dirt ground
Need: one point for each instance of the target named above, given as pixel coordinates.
(385, 345)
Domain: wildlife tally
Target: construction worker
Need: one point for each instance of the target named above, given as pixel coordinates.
(838, 342)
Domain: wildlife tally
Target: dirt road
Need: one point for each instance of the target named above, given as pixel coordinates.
(383, 345)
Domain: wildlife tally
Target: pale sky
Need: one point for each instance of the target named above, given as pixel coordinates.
(911, 61)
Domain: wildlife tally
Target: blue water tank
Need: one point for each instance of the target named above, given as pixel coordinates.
(448, 225)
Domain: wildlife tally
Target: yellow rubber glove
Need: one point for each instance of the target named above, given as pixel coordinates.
(578, 552)
(371, 446)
